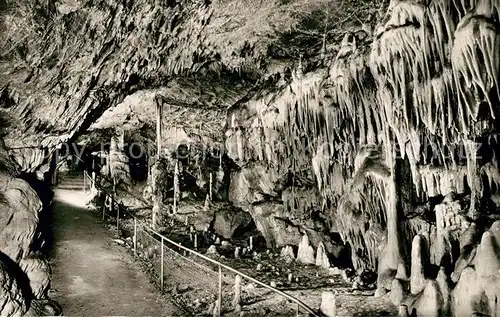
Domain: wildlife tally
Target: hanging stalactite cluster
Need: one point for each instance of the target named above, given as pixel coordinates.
(426, 94)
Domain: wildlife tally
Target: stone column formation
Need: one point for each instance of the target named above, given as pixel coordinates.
(118, 159)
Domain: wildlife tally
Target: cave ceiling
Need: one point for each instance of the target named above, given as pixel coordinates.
(64, 64)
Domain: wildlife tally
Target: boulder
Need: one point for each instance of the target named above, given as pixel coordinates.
(18, 219)
(12, 302)
(212, 250)
(276, 231)
(44, 307)
(38, 271)
(328, 304)
(305, 254)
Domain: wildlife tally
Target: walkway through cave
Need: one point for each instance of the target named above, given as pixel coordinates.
(91, 276)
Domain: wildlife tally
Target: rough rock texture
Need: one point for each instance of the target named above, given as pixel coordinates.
(20, 217)
(357, 123)
(12, 301)
(119, 169)
(38, 272)
(228, 221)
(287, 254)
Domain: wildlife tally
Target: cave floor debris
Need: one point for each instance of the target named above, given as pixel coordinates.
(312, 282)
(91, 275)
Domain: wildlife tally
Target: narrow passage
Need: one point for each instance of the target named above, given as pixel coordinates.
(91, 275)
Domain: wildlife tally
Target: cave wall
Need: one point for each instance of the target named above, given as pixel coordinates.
(398, 136)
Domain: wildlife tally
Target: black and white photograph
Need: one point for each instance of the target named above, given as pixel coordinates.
(250, 158)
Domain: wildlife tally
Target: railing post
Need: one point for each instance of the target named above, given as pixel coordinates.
(219, 306)
(298, 310)
(161, 265)
(84, 181)
(117, 217)
(135, 236)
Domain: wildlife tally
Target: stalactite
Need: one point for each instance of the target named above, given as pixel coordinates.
(475, 62)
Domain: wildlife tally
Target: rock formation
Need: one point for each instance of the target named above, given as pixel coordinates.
(12, 299)
(305, 254)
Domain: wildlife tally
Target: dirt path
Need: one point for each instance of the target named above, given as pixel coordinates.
(92, 276)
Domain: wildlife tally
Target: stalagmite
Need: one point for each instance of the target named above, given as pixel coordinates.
(206, 205)
(430, 302)
(322, 257)
(488, 266)
(287, 254)
(403, 311)
(305, 254)
(444, 289)
(397, 293)
(417, 277)
(237, 291)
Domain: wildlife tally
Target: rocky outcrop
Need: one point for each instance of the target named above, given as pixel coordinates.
(228, 221)
(19, 219)
(12, 299)
(38, 272)
(24, 274)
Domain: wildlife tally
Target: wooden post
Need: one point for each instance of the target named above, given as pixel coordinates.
(159, 115)
(195, 241)
(219, 306)
(117, 217)
(135, 236)
(161, 266)
(84, 181)
(298, 310)
(210, 187)
(176, 185)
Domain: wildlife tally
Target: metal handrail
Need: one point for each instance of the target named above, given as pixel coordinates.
(219, 264)
(287, 296)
